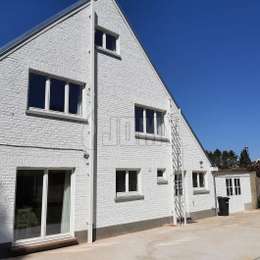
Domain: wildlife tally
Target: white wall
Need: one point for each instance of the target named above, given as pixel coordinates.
(121, 84)
(237, 202)
(63, 51)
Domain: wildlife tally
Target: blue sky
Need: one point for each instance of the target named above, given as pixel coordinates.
(208, 52)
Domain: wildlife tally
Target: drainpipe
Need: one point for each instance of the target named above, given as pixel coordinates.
(92, 125)
(215, 193)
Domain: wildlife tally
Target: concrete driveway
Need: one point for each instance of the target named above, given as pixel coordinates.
(234, 237)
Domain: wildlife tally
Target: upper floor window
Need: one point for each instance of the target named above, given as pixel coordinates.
(53, 94)
(198, 180)
(149, 121)
(106, 40)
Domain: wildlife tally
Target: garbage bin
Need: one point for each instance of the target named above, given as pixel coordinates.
(223, 205)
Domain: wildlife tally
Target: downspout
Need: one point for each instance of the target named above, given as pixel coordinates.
(92, 124)
(215, 193)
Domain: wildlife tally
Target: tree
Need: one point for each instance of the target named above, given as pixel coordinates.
(217, 156)
(244, 160)
(233, 162)
(223, 160)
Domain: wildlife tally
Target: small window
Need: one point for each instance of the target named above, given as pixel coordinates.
(161, 176)
(57, 95)
(99, 38)
(52, 94)
(36, 91)
(111, 42)
(126, 182)
(178, 184)
(139, 125)
(229, 187)
(237, 186)
(106, 40)
(198, 180)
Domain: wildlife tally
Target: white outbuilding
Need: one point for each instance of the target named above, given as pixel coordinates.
(239, 186)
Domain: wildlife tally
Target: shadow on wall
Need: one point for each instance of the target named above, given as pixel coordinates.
(258, 189)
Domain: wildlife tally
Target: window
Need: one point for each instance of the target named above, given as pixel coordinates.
(178, 184)
(127, 182)
(139, 119)
(37, 90)
(237, 186)
(160, 123)
(149, 121)
(229, 187)
(233, 186)
(161, 176)
(52, 94)
(106, 40)
(111, 42)
(33, 217)
(99, 38)
(198, 180)
(57, 95)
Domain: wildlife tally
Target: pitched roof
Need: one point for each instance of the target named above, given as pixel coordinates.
(27, 35)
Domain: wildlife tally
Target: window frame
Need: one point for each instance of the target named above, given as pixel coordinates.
(43, 236)
(155, 126)
(46, 111)
(127, 192)
(199, 186)
(104, 41)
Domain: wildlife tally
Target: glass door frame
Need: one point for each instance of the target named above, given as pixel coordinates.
(43, 237)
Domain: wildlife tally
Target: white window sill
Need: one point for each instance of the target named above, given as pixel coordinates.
(128, 197)
(108, 52)
(55, 115)
(200, 191)
(151, 137)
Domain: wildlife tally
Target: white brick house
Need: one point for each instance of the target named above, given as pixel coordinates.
(90, 137)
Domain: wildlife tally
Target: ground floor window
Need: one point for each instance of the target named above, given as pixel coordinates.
(233, 186)
(237, 186)
(43, 203)
(178, 184)
(229, 187)
(127, 182)
(198, 180)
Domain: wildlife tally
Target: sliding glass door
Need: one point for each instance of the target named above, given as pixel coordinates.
(43, 203)
(58, 203)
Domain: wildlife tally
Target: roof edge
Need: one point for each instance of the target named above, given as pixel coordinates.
(38, 28)
(163, 82)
